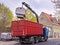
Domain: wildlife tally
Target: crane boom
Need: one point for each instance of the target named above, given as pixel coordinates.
(23, 3)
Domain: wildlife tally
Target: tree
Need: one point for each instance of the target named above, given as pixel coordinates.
(6, 17)
(30, 16)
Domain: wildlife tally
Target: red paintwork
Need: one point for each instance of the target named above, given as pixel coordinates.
(26, 28)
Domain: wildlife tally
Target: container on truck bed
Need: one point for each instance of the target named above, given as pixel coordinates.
(26, 28)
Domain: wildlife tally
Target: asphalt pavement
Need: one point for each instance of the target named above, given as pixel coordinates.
(16, 42)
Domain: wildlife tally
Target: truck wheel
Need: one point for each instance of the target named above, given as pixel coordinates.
(20, 41)
(46, 37)
(32, 40)
(36, 39)
(42, 39)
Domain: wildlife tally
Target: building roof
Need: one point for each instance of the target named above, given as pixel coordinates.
(53, 20)
(48, 16)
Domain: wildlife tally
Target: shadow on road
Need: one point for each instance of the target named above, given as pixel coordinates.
(22, 44)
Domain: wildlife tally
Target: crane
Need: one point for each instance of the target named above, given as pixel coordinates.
(25, 4)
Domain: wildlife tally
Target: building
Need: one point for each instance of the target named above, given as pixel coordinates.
(50, 22)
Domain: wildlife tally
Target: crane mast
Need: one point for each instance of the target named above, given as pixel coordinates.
(25, 4)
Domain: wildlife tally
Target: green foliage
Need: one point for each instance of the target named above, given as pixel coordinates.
(30, 16)
(4, 10)
(6, 17)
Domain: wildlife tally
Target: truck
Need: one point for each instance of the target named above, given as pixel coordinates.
(29, 32)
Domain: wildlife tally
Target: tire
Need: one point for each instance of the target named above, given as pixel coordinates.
(42, 39)
(32, 40)
(36, 39)
(39, 39)
(20, 41)
(46, 37)
(24, 40)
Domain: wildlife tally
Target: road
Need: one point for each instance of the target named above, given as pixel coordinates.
(49, 42)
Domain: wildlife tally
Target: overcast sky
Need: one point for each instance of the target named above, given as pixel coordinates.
(37, 5)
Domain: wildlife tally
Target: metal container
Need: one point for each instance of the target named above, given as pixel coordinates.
(26, 28)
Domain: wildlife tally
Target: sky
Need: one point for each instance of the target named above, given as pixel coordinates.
(37, 5)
